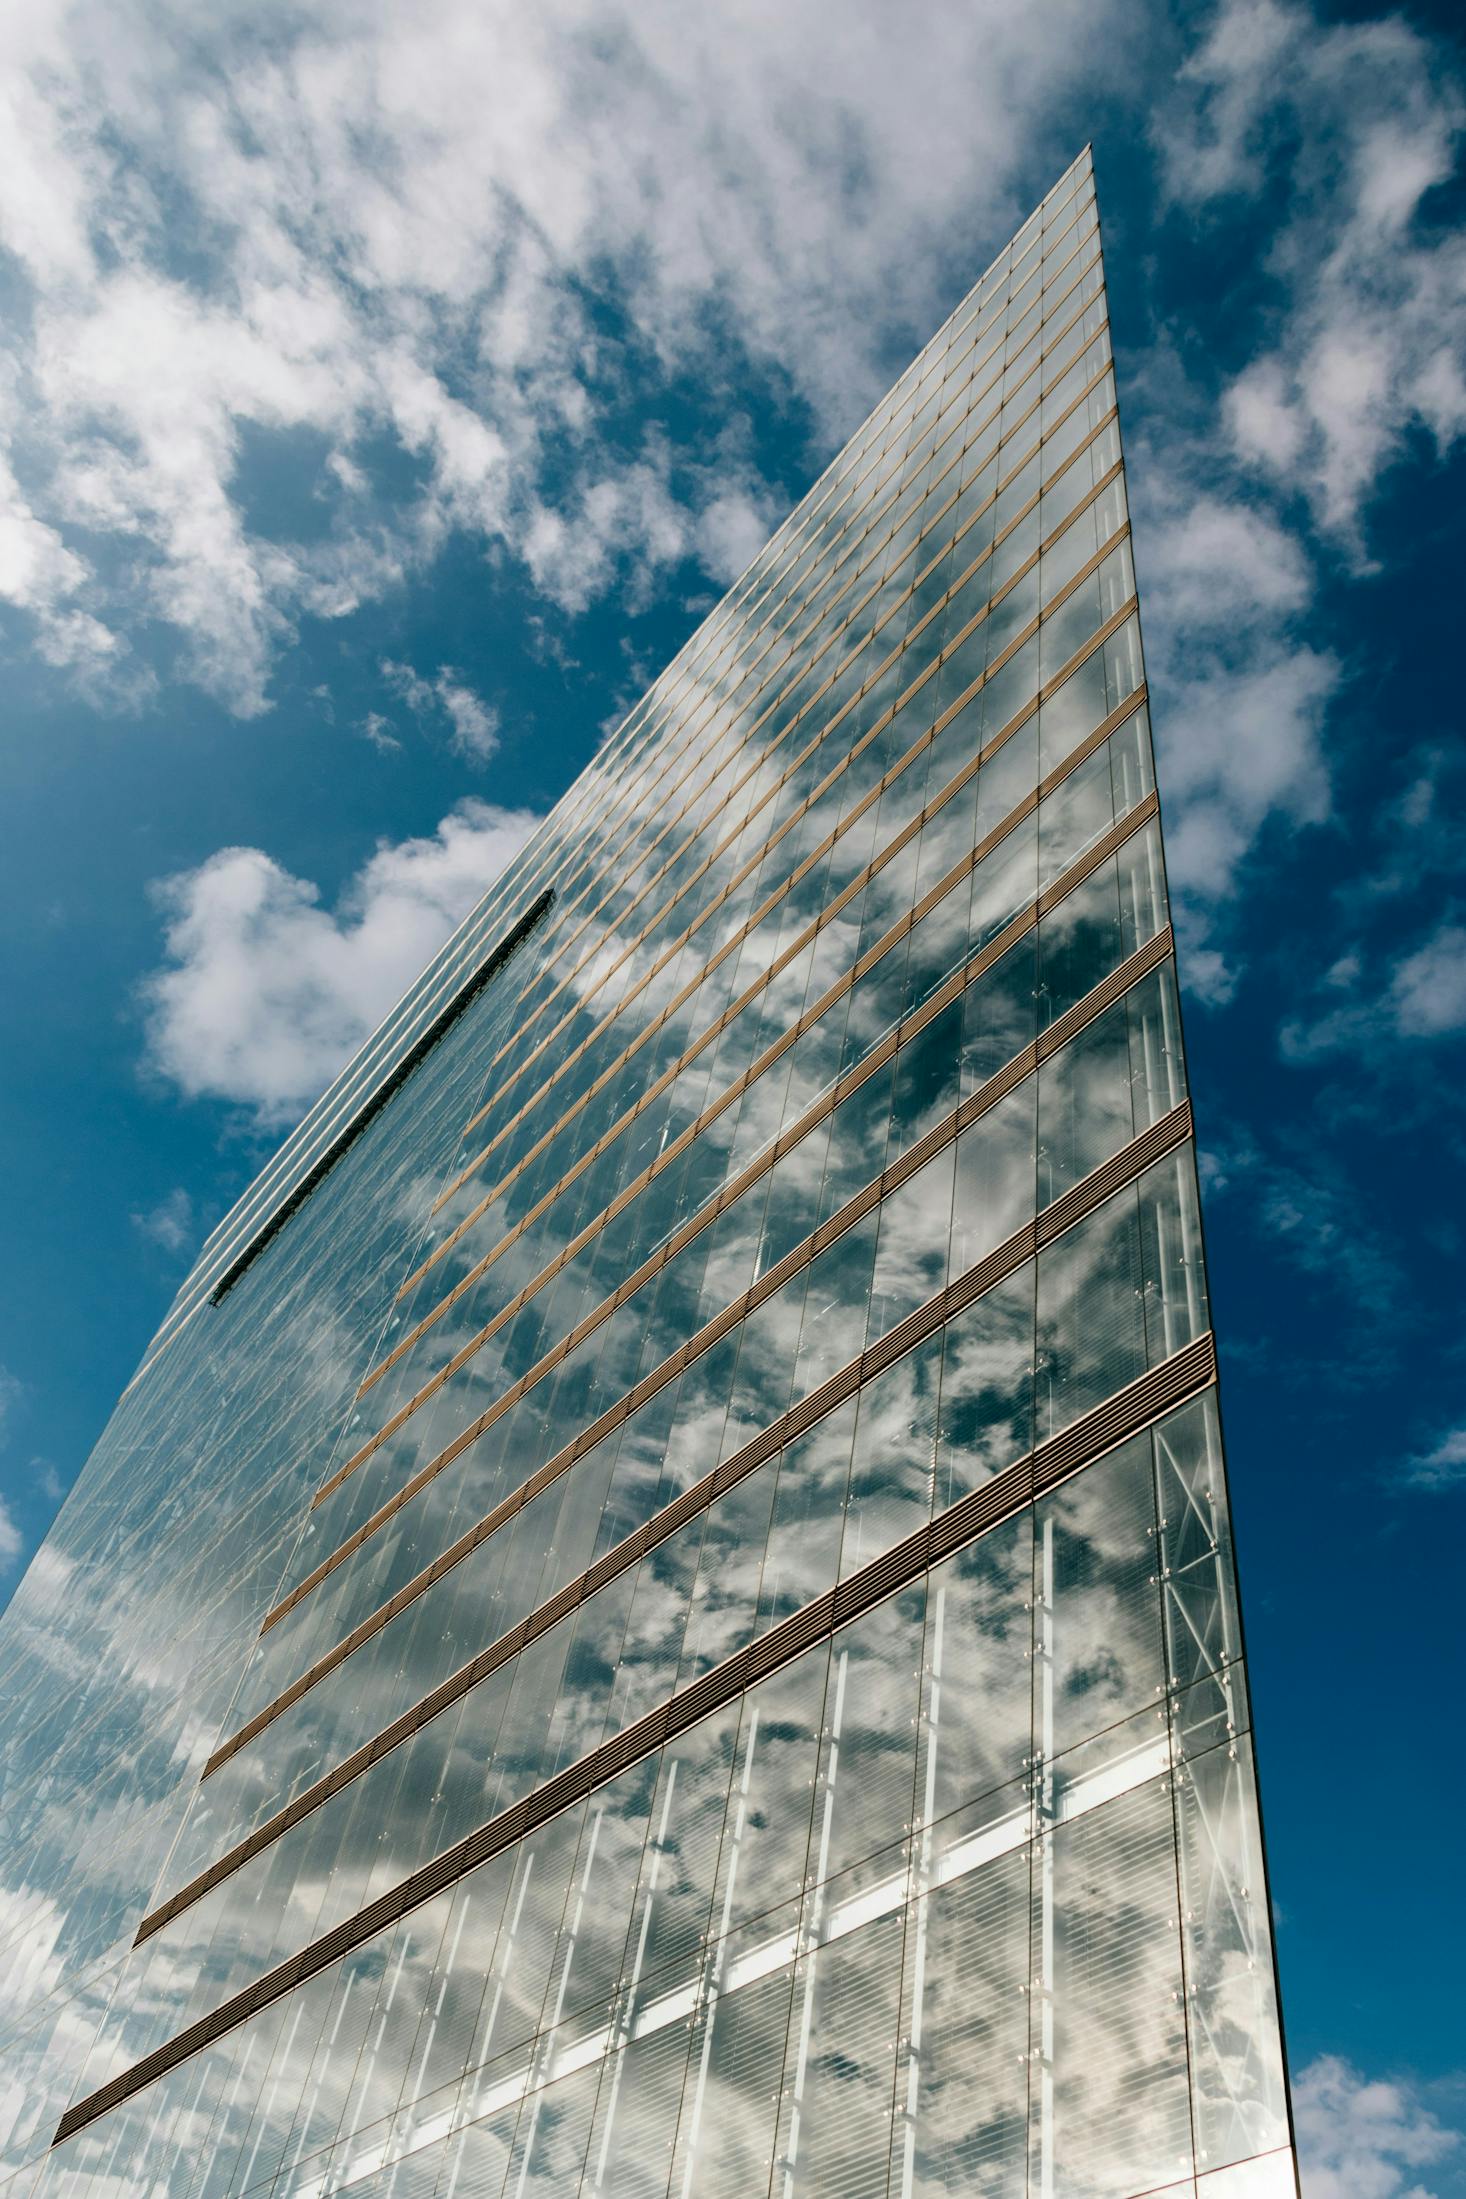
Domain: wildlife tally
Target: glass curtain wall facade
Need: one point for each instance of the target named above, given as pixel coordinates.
(660, 1617)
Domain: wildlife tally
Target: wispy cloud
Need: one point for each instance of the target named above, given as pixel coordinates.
(1422, 996)
(1305, 1212)
(170, 1224)
(1442, 1467)
(48, 1480)
(473, 725)
(12, 1542)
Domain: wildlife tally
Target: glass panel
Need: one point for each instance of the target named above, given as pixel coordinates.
(1091, 1320)
(911, 1246)
(893, 1464)
(1000, 1014)
(836, 1305)
(1170, 1229)
(680, 1860)
(1085, 1111)
(976, 1712)
(762, 1864)
(995, 1177)
(1273, 2176)
(1203, 1631)
(1231, 2004)
(987, 1387)
(839, 2068)
(1111, 2106)
(725, 1594)
(1098, 1646)
(867, 1767)
(961, 2123)
(554, 2131)
(726, 2136)
(635, 2128)
(808, 1518)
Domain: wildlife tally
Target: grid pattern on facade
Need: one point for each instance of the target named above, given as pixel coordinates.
(710, 1657)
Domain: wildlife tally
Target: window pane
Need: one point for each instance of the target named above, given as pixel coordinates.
(987, 1387)
(839, 2069)
(1231, 2002)
(1111, 2109)
(995, 1177)
(1098, 1646)
(961, 2126)
(976, 1717)
(863, 1804)
(1091, 1324)
(893, 1466)
(808, 1518)
(911, 1245)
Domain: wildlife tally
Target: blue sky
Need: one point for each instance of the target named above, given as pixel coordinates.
(388, 390)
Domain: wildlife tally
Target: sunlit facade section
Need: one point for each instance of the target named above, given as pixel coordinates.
(660, 1617)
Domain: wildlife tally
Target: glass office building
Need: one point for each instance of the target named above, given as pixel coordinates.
(659, 1618)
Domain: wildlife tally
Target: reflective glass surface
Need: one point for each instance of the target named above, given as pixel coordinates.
(660, 1616)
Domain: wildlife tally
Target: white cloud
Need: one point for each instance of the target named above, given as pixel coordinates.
(731, 531)
(1242, 745)
(1423, 997)
(36, 569)
(170, 1223)
(397, 220)
(473, 725)
(48, 1480)
(1243, 700)
(1428, 990)
(266, 993)
(1367, 345)
(12, 1542)
(12, 1389)
(378, 733)
(1363, 2138)
(1219, 563)
(1210, 976)
(1441, 1467)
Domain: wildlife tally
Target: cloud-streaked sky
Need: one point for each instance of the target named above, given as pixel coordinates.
(385, 393)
